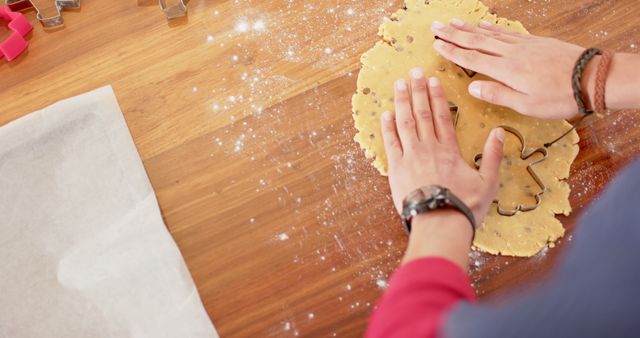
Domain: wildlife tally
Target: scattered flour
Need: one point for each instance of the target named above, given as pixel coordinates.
(283, 237)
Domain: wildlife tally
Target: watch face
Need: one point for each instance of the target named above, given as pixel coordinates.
(430, 198)
(416, 195)
(436, 191)
(433, 195)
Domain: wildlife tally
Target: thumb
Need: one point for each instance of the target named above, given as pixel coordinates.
(492, 155)
(496, 93)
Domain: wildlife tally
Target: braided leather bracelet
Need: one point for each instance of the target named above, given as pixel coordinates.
(576, 78)
(600, 104)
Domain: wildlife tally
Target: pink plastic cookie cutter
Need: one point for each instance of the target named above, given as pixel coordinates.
(16, 43)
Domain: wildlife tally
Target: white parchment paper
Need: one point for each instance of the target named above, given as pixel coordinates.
(83, 249)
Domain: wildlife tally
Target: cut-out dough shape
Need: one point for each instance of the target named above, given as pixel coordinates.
(407, 42)
(524, 155)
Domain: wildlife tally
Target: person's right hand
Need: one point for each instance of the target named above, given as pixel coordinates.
(533, 73)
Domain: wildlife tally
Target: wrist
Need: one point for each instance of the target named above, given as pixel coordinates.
(441, 233)
(622, 82)
(442, 221)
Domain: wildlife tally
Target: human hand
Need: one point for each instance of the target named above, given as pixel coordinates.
(422, 148)
(533, 73)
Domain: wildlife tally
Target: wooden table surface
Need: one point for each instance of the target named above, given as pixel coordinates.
(241, 114)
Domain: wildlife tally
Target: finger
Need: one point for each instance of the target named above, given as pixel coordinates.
(492, 156)
(421, 107)
(445, 131)
(490, 65)
(461, 25)
(390, 139)
(491, 27)
(404, 116)
(497, 93)
(468, 40)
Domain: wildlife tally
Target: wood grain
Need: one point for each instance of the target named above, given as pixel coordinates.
(247, 140)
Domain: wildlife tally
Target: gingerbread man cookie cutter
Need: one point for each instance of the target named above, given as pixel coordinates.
(16, 43)
(524, 155)
(53, 21)
(178, 9)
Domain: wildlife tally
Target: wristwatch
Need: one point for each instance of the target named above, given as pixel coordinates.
(430, 198)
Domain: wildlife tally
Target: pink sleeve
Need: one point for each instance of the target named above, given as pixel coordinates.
(419, 295)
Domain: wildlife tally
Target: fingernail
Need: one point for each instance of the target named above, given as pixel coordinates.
(437, 25)
(485, 23)
(456, 22)
(401, 85)
(499, 132)
(387, 116)
(438, 44)
(417, 73)
(434, 82)
(475, 89)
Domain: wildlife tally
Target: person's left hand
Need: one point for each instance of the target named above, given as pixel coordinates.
(422, 148)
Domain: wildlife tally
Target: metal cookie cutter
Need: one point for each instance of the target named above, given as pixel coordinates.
(15, 44)
(524, 155)
(453, 109)
(50, 21)
(470, 73)
(178, 9)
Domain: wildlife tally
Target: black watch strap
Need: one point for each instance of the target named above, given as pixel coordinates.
(432, 198)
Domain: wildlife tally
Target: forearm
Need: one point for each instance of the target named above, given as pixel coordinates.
(422, 151)
(622, 81)
(443, 233)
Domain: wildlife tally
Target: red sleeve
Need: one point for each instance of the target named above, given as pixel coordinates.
(419, 295)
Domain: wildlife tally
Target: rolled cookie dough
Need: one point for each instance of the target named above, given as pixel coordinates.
(406, 42)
